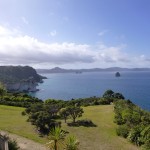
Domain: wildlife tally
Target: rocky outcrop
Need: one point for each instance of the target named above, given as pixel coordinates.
(28, 85)
(20, 78)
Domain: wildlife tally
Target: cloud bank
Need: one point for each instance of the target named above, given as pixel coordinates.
(16, 49)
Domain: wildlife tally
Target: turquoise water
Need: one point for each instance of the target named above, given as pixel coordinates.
(133, 85)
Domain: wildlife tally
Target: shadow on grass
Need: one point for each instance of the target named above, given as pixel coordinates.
(85, 123)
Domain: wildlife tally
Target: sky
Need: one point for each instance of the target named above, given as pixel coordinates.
(75, 33)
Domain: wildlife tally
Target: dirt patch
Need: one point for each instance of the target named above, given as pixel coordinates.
(24, 143)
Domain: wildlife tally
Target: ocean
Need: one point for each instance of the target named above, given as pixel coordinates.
(135, 86)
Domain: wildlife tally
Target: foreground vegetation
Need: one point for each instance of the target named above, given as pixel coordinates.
(103, 136)
(134, 123)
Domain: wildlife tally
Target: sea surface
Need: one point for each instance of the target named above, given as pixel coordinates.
(133, 85)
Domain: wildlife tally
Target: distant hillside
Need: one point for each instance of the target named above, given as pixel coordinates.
(19, 78)
(17, 73)
(61, 70)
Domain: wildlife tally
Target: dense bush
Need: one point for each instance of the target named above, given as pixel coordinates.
(134, 123)
(123, 131)
(43, 116)
(85, 123)
(146, 145)
(19, 99)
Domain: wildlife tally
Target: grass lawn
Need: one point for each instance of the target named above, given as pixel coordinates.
(12, 121)
(102, 137)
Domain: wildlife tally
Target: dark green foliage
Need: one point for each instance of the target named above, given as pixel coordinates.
(135, 135)
(19, 99)
(60, 103)
(12, 145)
(85, 123)
(118, 95)
(105, 101)
(42, 120)
(134, 122)
(146, 146)
(12, 74)
(122, 130)
(145, 134)
(108, 94)
(43, 116)
(74, 112)
(2, 91)
(83, 101)
(64, 114)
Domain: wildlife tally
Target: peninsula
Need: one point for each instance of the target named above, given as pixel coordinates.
(20, 78)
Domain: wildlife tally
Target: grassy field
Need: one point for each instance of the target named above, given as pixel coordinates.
(102, 137)
(12, 121)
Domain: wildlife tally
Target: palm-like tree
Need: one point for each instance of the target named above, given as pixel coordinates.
(72, 143)
(56, 137)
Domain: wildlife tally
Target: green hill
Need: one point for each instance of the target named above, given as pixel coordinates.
(12, 74)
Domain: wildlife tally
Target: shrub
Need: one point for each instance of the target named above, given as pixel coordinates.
(123, 131)
(85, 123)
(146, 146)
(12, 144)
(135, 135)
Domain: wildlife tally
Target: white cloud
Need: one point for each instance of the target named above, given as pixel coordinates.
(5, 32)
(16, 49)
(53, 33)
(24, 20)
(113, 54)
(102, 32)
(25, 50)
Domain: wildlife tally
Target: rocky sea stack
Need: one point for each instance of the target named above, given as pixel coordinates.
(117, 74)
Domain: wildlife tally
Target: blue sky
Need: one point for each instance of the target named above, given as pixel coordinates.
(75, 33)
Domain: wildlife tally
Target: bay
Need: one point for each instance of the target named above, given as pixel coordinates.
(133, 85)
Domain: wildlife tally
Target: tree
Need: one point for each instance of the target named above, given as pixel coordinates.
(42, 116)
(72, 143)
(64, 113)
(56, 137)
(118, 96)
(75, 112)
(42, 120)
(108, 94)
(2, 90)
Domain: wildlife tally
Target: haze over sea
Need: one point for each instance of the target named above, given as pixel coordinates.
(133, 85)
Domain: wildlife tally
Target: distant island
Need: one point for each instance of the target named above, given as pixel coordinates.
(20, 78)
(117, 74)
(111, 69)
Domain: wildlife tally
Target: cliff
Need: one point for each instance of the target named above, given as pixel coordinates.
(19, 78)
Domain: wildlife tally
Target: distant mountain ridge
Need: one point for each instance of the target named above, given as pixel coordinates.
(61, 70)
